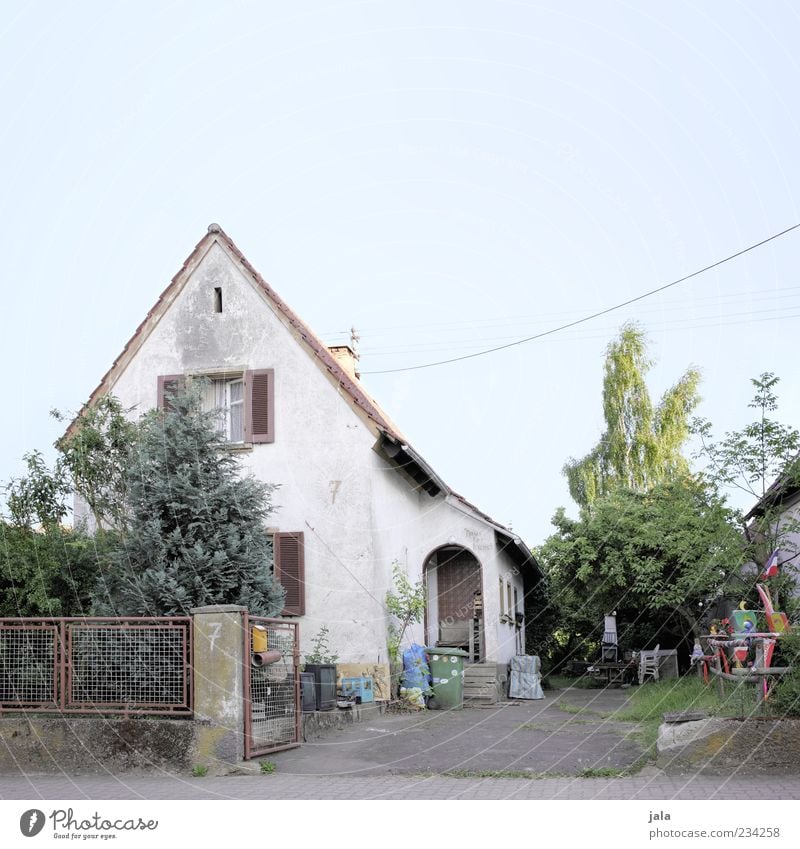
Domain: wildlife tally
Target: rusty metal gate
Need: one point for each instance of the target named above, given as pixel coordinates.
(129, 665)
(272, 713)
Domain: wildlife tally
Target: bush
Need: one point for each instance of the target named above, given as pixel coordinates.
(50, 572)
(785, 697)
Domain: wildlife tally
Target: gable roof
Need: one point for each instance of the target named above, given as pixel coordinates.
(311, 342)
(391, 442)
(783, 489)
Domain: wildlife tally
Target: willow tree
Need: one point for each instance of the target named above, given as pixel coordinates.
(642, 442)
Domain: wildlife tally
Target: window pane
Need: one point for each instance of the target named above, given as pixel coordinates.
(214, 399)
(237, 423)
(237, 391)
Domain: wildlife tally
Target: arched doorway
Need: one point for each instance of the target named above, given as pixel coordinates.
(454, 613)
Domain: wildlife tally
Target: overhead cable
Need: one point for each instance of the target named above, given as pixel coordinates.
(595, 314)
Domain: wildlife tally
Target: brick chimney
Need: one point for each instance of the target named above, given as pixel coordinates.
(347, 358)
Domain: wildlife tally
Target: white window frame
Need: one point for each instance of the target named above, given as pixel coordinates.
(227, 379)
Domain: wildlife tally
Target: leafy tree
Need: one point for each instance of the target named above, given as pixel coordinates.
(48, 573)
(194, 527)
(46, 569)
(655, 557)
(38, 499)
(406, 604)
(94, 454)
(542, 624)
(750, 460)
(641, 445)
(91, 463)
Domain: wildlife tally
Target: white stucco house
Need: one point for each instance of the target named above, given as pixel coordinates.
(354, 496)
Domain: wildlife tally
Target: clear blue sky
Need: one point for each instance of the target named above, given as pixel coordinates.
(444, 177)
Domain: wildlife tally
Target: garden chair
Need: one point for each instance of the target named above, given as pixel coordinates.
(648, 664)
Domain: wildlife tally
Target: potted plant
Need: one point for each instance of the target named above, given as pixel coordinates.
(322, 665)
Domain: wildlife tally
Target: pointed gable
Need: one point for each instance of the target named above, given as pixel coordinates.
(350, 388)
(197, 314)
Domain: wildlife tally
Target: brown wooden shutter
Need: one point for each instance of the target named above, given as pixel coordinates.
(259, 405)
(168, 384)
(290, 571)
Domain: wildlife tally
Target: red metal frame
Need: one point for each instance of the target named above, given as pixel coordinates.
(251, 750)
(62, 664)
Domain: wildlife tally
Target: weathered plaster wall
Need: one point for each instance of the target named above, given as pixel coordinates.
(408, 527)
(41, 743)
(357, 515)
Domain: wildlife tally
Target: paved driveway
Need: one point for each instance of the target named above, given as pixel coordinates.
(515, 738)
(477, 753)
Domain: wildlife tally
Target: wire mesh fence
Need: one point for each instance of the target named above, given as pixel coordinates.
(272, 686)
(29, 664)
(132, 665)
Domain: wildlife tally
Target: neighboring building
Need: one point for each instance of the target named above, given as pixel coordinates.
(775, 518)
(354, 496)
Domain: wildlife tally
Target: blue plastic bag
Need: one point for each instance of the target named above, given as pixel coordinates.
(416, 672)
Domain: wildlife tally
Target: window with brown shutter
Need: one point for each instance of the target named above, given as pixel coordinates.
(245, 403)
(259, 422)
(168, 385)
(289, 557)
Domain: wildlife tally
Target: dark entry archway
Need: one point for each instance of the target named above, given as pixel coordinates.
(454, 613)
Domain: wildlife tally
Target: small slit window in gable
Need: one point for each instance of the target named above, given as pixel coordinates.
(218, 299)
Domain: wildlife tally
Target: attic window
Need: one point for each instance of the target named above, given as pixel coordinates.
(218, 299)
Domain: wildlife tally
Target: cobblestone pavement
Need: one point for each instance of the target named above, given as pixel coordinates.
(649, 785)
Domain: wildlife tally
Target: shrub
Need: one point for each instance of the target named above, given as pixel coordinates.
(785, 697)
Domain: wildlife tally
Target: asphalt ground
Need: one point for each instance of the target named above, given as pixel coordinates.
(514, 750)
(511, 739)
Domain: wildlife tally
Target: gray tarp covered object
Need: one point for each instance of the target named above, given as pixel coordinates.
(525, 680)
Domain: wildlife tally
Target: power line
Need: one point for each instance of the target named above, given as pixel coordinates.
(668, 325)
(520, 319)
(593, 315)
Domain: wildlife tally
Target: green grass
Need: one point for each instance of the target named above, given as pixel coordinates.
(584, 711)
(266, 767)
(650, 701)
(567, 708)
(602, 772)
(199, 771)
(493, 773)
(589, 772)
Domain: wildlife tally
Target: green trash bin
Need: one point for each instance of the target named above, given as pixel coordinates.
(447, 671)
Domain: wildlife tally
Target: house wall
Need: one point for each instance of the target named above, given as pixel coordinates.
(789, 553)
(357, 514)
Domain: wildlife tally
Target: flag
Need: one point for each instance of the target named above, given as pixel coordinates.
(770, 567)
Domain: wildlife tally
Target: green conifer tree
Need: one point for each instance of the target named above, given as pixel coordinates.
(194, 534)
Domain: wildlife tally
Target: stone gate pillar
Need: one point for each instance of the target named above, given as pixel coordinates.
(218, 640)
